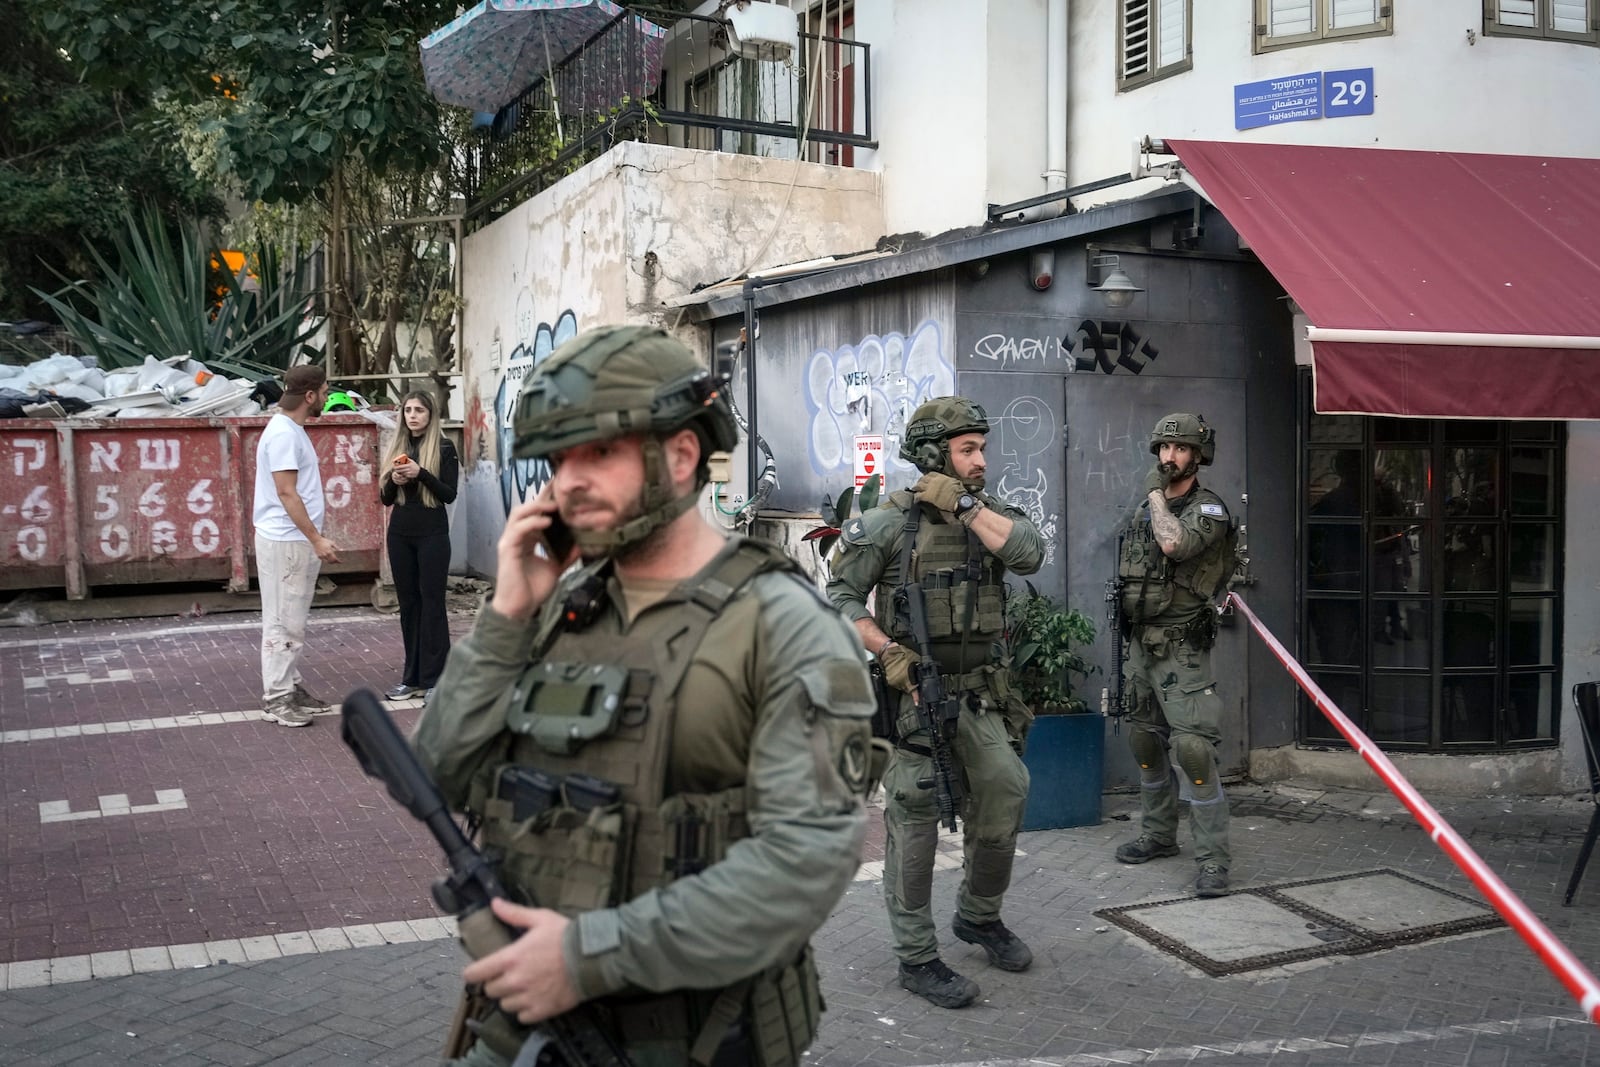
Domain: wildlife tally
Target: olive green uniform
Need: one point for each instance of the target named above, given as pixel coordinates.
(1172, 693)
(993, 720)
(741, 758)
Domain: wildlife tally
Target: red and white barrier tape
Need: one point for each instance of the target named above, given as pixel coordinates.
(1556, 956)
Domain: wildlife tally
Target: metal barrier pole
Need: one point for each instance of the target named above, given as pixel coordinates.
(1556, 956)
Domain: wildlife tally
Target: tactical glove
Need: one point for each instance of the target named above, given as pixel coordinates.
(940, 491)
(897, 661)
(1154, 480)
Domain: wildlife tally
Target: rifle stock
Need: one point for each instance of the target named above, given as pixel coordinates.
(575, 1038)
(937, 712)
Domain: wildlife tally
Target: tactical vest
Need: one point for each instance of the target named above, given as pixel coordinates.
(577, 815)
(963, 584)
(1154, 588)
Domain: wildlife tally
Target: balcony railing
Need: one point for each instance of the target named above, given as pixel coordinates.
(706, 97)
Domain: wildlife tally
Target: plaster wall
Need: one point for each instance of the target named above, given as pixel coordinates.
(1434, 89)
(930, 84)
(609, 244)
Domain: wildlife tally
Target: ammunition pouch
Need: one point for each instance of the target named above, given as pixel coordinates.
(568, 848)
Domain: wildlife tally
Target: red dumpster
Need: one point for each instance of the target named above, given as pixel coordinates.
(88, 503)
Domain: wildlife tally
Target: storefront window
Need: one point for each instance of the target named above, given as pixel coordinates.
(1430, 579)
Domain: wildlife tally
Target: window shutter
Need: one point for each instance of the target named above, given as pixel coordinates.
(1135, 38)
(1517, 13)
(1569, 16)
(1347, 13)
(1287, 18)
(1172, 26)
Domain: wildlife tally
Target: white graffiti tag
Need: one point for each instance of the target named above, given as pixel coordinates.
(871, 387)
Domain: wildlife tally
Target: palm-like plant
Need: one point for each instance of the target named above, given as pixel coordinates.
(155, 298)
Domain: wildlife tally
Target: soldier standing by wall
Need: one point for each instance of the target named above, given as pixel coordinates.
(667, 744)
(958, 543)
(1176, 555)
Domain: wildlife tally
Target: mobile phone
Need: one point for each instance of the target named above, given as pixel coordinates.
(558, 538)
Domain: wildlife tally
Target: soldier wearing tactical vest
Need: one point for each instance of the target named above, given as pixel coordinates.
(1176, 556)
(666, 745)
(958, 542)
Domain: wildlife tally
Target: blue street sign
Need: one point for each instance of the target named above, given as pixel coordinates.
(1346, 92)
(1294, 98)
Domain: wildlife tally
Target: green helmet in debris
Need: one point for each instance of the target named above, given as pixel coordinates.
(339, 401)
(617, 380)
(1185, 429)
(926, 442)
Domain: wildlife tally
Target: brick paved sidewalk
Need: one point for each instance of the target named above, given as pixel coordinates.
(1096, 994)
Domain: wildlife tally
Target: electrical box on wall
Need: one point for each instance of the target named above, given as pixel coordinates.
(763, 31)
(721, 464)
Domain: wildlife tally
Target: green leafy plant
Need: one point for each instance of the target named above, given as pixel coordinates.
(835, 513)
(1042, 641)
(154, 298)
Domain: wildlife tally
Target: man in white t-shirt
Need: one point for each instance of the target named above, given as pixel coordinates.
(290, 548)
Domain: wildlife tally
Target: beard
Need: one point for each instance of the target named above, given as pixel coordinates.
(1174, 473)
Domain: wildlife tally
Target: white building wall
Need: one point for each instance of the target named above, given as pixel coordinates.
(609, 244)
(1434, 89)
(930, 108)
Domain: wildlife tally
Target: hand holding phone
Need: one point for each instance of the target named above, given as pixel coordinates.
(535, 547)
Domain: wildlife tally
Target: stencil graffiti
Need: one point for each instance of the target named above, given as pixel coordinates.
(520, 478)
(1025, 431)
(871, 386)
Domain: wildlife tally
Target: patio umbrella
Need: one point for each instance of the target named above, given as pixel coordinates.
(487, 57)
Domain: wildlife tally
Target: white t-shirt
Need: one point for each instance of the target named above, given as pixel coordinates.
(285, 446)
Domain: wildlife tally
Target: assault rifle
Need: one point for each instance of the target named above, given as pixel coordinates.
(937, 711)
(573, 1039)
(1114, 698)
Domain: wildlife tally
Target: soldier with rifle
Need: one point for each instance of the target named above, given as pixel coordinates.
(934, 558)
(662, 731)
(1174, 555)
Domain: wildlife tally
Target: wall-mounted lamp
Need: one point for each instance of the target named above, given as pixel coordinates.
(1107, 277)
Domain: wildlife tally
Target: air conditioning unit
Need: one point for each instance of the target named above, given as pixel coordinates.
(763, 31)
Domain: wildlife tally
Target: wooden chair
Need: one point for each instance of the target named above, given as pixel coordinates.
(1586, 702)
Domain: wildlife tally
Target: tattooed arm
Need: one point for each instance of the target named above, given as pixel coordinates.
(1164, 524)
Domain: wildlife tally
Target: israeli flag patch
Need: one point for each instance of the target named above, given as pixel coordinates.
(1216, 511)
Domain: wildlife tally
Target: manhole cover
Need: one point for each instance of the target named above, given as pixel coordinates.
(1271, 925)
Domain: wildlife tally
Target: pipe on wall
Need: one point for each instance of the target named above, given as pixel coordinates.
(1055, 113)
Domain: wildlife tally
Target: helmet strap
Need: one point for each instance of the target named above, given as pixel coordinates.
(660, 507)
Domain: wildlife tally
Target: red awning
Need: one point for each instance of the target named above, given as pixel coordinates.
(1409, 248)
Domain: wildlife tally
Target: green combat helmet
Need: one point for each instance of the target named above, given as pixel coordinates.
(1185, 429)
(617, 380)
(927, 438)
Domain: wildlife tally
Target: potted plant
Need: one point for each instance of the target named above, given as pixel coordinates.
(1066, 745)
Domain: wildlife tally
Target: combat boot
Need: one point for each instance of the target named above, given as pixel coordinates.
(1212, 882)
(1006, 950)
(938, 984)
(1144, 848)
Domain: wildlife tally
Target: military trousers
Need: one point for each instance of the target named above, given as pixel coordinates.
(1175, 707)
(996, 785)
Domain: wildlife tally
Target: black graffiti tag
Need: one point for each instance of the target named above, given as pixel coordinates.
(1106, 344)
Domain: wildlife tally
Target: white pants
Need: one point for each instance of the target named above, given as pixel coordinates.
(288, 573)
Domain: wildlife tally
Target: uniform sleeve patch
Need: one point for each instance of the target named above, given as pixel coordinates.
(854, 532)
(1216, 511)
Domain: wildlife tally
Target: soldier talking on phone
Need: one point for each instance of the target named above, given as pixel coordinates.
(663, 730)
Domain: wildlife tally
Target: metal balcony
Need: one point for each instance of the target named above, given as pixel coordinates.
(705, 97)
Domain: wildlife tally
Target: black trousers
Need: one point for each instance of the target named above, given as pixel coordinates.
(421, 566)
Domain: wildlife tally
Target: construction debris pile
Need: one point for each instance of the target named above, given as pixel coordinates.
(75, 387)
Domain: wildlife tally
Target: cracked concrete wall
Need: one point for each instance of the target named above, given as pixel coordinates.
(608, 244)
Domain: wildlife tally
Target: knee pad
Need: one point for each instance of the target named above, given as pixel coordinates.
(1196, 759)
(1150, 750)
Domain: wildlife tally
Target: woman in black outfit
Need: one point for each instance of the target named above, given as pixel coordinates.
(420, 473)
